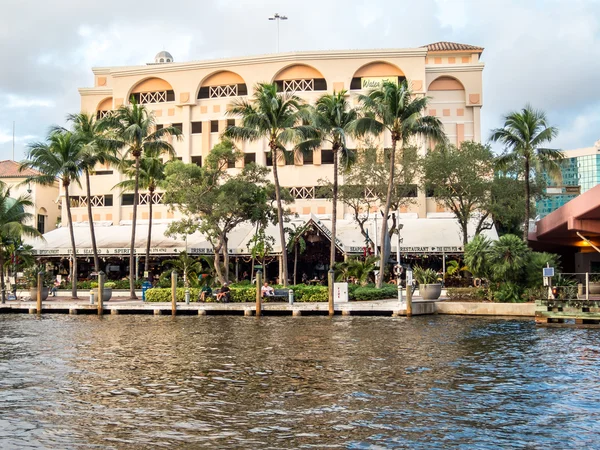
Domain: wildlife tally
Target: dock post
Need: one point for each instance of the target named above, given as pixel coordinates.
(258, 293)
(40, 275)
(330, 281)
(408, 301)
(100, 293)
(173, 293)
(587, 285)
(187, 296)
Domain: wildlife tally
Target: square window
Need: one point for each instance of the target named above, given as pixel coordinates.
(179, 126)
(249, 158)
(326, 156)
(196, 127)
(230, 122)
(214, 126)
(197, 160)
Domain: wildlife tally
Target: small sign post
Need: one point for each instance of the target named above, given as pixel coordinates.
(548, 273)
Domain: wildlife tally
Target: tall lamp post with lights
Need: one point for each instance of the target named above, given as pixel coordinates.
(278, 17)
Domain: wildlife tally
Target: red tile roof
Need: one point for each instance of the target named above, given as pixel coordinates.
(10, 169)
(452, 47)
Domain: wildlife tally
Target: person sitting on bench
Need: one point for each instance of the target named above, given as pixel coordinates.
(205, 292)
(224, 293)
(266, 290)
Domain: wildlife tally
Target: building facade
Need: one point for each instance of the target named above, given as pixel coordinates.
(194, 96)
(580, 173)
(45, 210)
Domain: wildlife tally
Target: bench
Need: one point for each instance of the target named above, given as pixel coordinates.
(279, 294)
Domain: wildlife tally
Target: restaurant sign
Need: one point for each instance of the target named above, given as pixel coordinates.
(376, 82)
(417, 249)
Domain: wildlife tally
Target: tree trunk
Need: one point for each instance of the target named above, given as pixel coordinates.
(225, 250)
(334, 206)
(279, 215)
(2, 284)
(73, 247)
(527, 201)
(132, 265)
(295, 262)
(386, 212)
(149, 239)
(91, 221)
(217, 252)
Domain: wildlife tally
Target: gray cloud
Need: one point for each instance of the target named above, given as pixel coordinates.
(546, 53)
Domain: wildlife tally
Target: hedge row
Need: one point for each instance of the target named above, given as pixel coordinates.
(302, 293)
(472, 294)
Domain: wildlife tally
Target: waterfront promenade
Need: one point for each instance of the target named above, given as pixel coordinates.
(120, 304)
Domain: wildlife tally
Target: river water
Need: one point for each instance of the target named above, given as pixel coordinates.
(305, 382)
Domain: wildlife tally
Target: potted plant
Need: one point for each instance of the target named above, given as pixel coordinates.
(430, 287)
(107, 292)
(594, 285)
(31, 277)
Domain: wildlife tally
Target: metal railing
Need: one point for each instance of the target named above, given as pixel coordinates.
(576, 285)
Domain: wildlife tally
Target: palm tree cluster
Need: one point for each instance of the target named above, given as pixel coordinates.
(129, 139)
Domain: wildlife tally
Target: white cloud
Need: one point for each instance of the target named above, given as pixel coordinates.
(14, 101)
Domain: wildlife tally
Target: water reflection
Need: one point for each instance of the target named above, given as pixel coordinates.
(282, 382)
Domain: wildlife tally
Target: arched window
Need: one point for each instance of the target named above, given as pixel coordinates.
(300, 78)
(153, 90)
(223, 84)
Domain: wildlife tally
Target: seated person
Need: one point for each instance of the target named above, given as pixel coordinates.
(224, 293)
(205, 292)
(266, 290)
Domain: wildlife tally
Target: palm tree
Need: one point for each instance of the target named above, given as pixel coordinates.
(280, 118)
(135, 131)
(97, 149)
(297, 244)
(59, 158)
(524, 133)
(334, 118)
(394, 108)
(13, 225)
(187, 266)
(151, 176)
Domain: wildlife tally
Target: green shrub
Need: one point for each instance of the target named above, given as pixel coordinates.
(467, 294)
(508, 292)
(370, 292)
(534, 293)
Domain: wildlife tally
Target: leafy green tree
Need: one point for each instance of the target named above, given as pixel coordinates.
(58, 159)
(280, 118)
(524, 135)
(507, 205)
(96, 149)
(334, 117)
(214, 203)
(394, 108)
(134, 131)
(151, 176)
(461, 179)
(13, 226)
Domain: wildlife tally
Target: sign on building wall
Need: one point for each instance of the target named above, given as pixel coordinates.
(376, 82)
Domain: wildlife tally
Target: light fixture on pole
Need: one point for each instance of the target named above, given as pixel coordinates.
(278, 17)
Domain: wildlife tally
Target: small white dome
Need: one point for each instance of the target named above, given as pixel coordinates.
(163, 57)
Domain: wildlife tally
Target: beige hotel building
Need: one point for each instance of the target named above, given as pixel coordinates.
(194, 96)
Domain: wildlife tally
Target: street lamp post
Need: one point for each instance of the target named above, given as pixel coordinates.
(278, 17)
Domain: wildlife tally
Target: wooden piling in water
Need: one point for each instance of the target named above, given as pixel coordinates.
(330, 281)
(258, 293)
(173, 293)
(100, 300)
(39, 292)
(409, 301)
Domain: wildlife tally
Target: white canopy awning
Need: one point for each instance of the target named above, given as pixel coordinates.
(418, 236)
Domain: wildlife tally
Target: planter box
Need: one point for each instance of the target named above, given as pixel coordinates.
(430, 291)
(33, 293)
(106, 294)
(594, 287)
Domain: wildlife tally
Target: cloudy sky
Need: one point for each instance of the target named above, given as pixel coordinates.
(546, 52)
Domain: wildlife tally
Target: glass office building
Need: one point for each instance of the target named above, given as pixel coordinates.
(580, 173)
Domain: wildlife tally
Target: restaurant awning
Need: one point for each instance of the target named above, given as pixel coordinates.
(418, 236)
